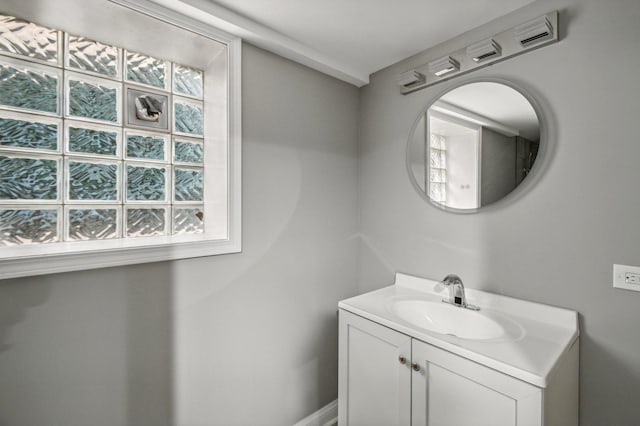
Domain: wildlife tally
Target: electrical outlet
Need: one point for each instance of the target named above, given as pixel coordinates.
(627, 277)
(631, 278)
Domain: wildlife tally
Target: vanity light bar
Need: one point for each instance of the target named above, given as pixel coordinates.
(443, 66)
(514, 41)
(483, 50)
(534, 31)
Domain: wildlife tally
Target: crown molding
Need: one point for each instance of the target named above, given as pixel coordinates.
(219, 17)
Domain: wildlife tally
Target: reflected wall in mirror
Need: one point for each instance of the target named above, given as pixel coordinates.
(473, 146)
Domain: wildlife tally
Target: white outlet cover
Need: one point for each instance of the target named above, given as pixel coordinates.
(619, 273)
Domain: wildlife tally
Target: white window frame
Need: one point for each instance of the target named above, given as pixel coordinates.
(34, 259)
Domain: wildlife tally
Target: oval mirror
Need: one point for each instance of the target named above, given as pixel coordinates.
(473, 146)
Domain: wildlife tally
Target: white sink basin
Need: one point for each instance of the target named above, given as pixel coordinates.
(444, 318)
(523, 339)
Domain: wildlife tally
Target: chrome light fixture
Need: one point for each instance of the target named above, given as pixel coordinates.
(443, 66)
(483, 50)
(410, 78)
(534, 31)
(501, 46)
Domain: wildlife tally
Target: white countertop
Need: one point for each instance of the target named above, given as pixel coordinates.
(530, 352)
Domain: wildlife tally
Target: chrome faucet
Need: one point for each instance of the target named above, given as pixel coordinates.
(456, 292)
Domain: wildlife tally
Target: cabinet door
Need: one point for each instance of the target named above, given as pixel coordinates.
(449, 390)
(374, 385)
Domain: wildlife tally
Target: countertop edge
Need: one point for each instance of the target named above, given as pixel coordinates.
(526, 376)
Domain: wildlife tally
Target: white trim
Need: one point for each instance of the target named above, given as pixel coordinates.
(479, 169)
(326, 416)
(445, 115)
(30, 266)
(30, 260)
(235, 146)
(471, 117)
(178, 17)
(218, 16)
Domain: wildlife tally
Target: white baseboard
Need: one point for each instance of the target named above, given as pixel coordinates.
(326, 416)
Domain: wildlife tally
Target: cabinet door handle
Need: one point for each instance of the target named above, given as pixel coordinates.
(415, 366)
(402, 360)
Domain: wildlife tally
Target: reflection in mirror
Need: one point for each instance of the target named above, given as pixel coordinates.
(474, 145)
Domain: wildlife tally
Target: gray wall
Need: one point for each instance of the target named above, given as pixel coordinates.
(241, 339)
(250, 338)
(498, 171)
(556, 241)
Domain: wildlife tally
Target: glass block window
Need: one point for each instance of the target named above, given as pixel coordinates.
(438, 168)
(92, 56)
(26, 39)
(97, 142)
(30, 87)
(30, 132)
(91, 139)
(188, 117)
(146, 221)
(28, 225)
(188, 81)
(91, 223)
(188, 151)
(146, 70)
(146, 146)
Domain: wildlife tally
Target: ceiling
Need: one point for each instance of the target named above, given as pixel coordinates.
(499, 103)
(350, 39)
(468, 108)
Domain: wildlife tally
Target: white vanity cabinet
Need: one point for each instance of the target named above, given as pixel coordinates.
(449, 390)
(374, 385)
(408, 359)
(387, 378)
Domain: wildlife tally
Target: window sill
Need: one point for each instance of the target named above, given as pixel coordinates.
(66, 257)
